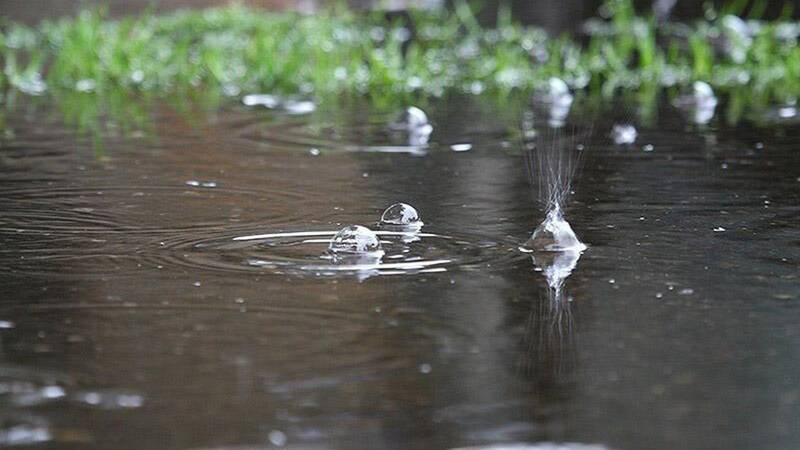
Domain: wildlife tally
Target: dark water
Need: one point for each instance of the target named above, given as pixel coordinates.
(132, 320)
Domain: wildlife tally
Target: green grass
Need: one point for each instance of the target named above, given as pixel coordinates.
(339, 54)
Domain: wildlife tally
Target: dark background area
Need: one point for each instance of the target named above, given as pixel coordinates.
(555, 15)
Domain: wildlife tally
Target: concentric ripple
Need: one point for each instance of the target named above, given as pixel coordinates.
(303, 253)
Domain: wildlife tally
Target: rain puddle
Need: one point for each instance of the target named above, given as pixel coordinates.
(555, 278)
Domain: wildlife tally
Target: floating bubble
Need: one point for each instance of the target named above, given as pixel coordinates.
(623, 134)
(401, 214)
(355, 240)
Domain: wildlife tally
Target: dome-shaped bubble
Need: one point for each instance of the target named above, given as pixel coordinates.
(355, 240)
(401, 214)
(416, 118)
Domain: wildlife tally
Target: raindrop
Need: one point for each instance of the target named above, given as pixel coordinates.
(401, 214)
(623, 134)
(461, 147)
(648, 148)
(355, 239)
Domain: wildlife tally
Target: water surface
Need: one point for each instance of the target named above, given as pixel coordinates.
(131, 320)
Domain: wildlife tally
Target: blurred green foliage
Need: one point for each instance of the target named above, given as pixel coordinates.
(338, 54)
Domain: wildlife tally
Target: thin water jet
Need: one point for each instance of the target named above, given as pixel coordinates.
(552, 164)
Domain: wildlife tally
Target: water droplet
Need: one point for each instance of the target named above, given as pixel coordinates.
(686, 291)
(425, 368)
(719, 229)
(314, 152)
(648, 147)
(401, 214)
(6, 324)
(355, 239)
(623, 134)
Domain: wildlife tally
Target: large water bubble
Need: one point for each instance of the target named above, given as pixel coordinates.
(401, 215)
(554, 235)
(355, 240)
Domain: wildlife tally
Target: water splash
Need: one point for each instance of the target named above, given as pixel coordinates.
(700, 104)
(416, 123)
(552, 165)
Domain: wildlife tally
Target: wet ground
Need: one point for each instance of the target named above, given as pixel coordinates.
(131, 319)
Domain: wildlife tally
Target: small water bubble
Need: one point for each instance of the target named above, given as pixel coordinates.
(197, 284)
(648, 147)
(759, 145)
(194, 183)
(425, 368)
(686, 291)
(6, 324)
(277, 438)
(623, 134)
(401, 214)
(719, 229)
(355, 239)
(314, 152)
(659, 295)
(461, 147)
